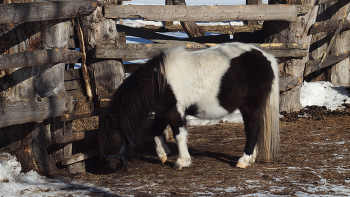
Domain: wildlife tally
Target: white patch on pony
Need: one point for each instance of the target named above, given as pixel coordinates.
(195, 76)
(161, 148)
(184, 159)
(247, 160)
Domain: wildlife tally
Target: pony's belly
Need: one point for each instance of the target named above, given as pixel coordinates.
(211, 113)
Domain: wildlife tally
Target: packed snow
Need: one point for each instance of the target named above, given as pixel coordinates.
(15, 183)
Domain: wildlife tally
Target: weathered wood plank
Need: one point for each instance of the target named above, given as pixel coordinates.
(106, 75)
(84, 70)
(13, 113)
(36, 58)
(79, 115)
(339, 75)
(79, 157)
(329, 25)
(288, 82)
(75, 136)
(141, 51)
(324, 1)
(206, 13)
(72, 85)
(314, 65)
(252, 2)
(42, 11)
(71, 74)
(190, 27)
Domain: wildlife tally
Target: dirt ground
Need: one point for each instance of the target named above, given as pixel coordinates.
(313, 160)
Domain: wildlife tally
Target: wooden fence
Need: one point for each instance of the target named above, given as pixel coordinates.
(294, 41)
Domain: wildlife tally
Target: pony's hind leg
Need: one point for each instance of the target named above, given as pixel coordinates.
(158, 126)
(252, 128)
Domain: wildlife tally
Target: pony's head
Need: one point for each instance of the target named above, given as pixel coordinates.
(115, 148)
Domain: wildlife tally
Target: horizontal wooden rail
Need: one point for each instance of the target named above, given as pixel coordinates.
(324, 1)
(329, 25)
(13, 113)
(75, 136)
(206, 13)
(313, 65)
(142, 51)
(35, 58)
(80, 115)
(155, 37)
(79, 157)
(42, 11)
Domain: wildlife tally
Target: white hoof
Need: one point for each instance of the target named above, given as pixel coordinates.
(246, 160)
(241, 165)
(163, 159)
(180, 163)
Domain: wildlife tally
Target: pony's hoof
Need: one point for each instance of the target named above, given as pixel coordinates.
(241, 165)
(163, 159)
(177, 167)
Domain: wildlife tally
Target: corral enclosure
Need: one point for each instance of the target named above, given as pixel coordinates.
(309, 37)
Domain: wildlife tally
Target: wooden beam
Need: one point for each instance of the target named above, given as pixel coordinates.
(142, 51)
(314, 65)
(39, 57)
(328, 25)
(324, 1)
(42, 11)
(71, 74)
(206, 13)
(288, 82)
(284, 49)
(79, 115)
(156, 37)
(79, 157)
(37, 110)
(336, 33)
(190, 27)
(75, 136)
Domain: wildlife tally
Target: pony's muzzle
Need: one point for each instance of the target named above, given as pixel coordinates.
(114, 164)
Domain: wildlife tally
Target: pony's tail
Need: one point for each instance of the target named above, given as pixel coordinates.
(268, 143)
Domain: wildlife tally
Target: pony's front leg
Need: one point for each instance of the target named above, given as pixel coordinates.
(158, 126)
(161, 148)
(184, 159)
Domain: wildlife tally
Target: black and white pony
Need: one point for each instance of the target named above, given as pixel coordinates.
(208, 84)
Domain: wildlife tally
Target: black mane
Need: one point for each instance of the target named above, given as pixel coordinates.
(135, 97)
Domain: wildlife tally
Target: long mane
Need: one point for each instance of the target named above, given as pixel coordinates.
(135, 97)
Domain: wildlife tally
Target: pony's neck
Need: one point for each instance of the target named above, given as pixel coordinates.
(135, 98)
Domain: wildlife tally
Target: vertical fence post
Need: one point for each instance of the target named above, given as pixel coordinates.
(291, 32)
(106, 75)
(253, 2)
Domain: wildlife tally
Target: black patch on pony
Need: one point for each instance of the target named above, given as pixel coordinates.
(248, 79)
(246, 86)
